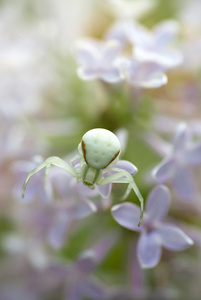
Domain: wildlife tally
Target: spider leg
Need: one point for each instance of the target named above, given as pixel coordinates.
(122, 176)
(73, 159)
(55, 161)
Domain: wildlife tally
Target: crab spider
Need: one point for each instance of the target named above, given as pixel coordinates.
(99, 151)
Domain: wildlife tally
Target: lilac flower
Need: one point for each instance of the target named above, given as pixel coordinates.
(176, 167)
(105, 60)
(154, 46)
(122, 31)
(148, 46)
(78, 277)
(98, 60)
(51, 222)
(145, 75)
(154, 232)
(141, 74)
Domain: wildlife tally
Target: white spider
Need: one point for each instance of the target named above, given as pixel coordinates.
(99, 152)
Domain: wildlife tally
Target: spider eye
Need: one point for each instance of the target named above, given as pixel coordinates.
(100, 147)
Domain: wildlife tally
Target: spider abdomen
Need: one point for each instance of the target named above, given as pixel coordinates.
(100, 147)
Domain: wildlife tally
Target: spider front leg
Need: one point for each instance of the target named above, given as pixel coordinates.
(72, 161)
(122, 176)
(55, 161)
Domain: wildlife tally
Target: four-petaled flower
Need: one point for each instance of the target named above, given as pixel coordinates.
(176, 167)
(154, 232)
(144, 75)
(98, 60)
(153, 46)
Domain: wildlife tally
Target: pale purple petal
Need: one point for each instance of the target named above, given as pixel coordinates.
(184, 184)
(173, 238)
(166, 58)
(112, 76)
(158, 144)
(153, 80)
(63, 219)
(182, 137)
(104, 245)
(141, 36)
(117, 32)
(93, 290)
(86, 73)
(110, 51)
(86, 263)
(192, 156)
(105, 190)
(146, 75)
(127, 166)
(86, 52)
(73, 293)
(164, 172)
(148, 250)
(97, 60)
(82, 209)
(121, 31)
(122, 135)
(165, 32)
(83, 190)
(158, 203)
(58, 230)
(127, 215)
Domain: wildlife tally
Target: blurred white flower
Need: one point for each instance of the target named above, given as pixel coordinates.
(154, 46)
(98, 59)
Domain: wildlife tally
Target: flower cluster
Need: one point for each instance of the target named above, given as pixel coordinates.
(144, 67)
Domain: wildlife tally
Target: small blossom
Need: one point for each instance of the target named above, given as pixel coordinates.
(176, 168)
(78, 277)
(98, 60)
(154, 232)
(145, 75)
(51, 222)
(122, 31)
(154, 46)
